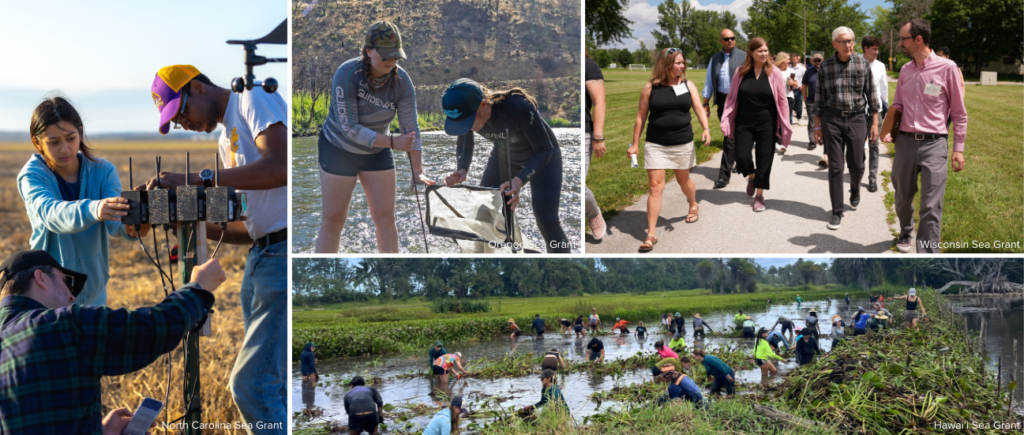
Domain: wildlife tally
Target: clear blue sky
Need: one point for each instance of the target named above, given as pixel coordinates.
(644, 14)
(104, 54)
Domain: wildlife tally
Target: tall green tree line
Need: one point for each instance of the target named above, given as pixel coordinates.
(318, 280)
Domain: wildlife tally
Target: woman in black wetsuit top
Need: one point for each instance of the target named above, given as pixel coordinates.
(667, 100)
(535, 155)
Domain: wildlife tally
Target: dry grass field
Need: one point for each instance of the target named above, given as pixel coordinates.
(135, 282)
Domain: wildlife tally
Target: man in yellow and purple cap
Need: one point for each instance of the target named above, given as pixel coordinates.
(254, 148)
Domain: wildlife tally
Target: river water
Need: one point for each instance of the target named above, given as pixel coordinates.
(576, 387)
(1004, 322)
(439, 161)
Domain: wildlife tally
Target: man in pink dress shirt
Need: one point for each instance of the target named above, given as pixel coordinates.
(927, 93)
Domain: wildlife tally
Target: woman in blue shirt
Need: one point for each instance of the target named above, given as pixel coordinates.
(72, 198)
(445, 420)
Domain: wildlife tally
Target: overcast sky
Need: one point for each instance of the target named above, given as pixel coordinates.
(644, 15)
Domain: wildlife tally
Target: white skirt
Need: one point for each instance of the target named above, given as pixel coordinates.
(669, 157)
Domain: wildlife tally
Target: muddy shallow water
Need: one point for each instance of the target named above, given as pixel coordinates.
(1003, 316)
(520, 391)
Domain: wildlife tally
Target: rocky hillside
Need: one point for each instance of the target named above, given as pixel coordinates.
(534, 44)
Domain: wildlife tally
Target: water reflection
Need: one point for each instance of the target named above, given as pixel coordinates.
(439, 160)
(308, 394)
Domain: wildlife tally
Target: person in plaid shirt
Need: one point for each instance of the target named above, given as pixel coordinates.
(53, 354)
(844, 90)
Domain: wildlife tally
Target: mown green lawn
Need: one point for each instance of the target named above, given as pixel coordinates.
(615, 184)
(983, 204)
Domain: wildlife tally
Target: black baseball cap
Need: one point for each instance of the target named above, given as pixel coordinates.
(460, 102)
(25, 260)
(457, 402)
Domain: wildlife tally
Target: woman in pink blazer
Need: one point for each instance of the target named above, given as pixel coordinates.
(755, 112)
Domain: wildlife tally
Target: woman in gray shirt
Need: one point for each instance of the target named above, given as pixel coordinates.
(354, 145)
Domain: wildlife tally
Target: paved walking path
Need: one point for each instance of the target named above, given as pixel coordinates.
(798, 208)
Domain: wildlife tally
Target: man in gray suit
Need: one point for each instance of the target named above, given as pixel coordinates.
(723, 64)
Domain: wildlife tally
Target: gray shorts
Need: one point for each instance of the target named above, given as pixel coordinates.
(910, 315)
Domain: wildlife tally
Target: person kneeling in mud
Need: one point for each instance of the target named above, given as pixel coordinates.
(620, 326)
(748, 328)
(595, 350)
(549, 394)
(724, 375)
(577, 327)
(677, 344)
(680, 386)
(699, 326)
(446, 420)
(564, 326)
(552, 361)
(443, 364)
(763, 356)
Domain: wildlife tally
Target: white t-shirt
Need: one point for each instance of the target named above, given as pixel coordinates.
(881, 80)
(786, 77)
(799, 69)
(246, 116)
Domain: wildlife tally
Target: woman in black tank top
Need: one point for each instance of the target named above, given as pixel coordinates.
(913, 306)
(667, 100)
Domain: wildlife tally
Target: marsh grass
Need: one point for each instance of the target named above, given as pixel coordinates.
(372, 329)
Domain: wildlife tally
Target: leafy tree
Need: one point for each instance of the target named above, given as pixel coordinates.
(776, 23)
(676, 23)
(642, 55)
(978, 31)
(705, 270)
(605, 22)
(708, 27)
(623, 57)
(603, 58)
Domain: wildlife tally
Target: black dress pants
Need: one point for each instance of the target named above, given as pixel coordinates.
(754, 143)
(729, 144)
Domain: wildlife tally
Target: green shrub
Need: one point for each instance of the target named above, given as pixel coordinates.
(453, 305)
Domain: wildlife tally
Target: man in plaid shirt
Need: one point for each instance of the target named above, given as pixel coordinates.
(844, 90)
(53, 353)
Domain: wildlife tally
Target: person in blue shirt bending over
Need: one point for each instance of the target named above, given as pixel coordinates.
(446, 419)
(680, 386)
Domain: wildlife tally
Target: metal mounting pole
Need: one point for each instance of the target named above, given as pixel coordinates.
(192, 252)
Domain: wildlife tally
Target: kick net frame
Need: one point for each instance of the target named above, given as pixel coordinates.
(473, 217)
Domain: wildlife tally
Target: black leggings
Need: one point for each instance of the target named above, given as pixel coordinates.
(755, 142)
(546, 194)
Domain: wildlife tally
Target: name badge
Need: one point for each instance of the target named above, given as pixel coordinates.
(932, 89)
(681, 89)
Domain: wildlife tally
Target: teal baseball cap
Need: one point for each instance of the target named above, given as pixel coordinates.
(460, 103)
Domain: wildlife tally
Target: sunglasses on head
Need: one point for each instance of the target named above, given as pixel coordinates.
(729, 39)
(674, 50)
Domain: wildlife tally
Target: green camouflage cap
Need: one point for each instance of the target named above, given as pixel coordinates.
(385, 37)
